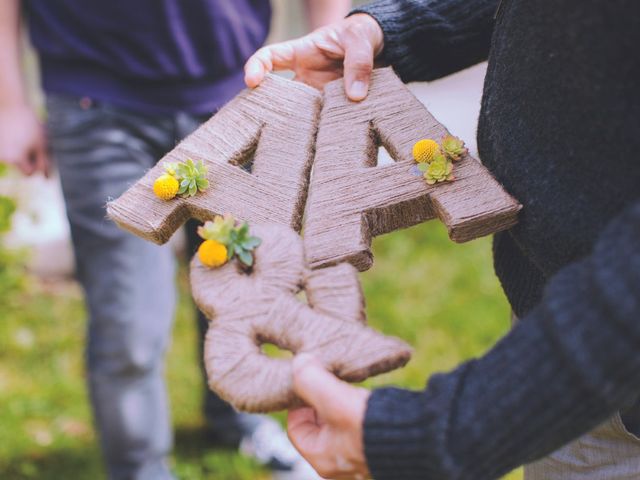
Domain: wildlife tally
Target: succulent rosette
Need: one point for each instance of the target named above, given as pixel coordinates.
(181, 179)
(439, 170)
(434, 162)
(453, 147)
(236, 240)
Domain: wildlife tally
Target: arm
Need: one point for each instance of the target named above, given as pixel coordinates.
(566, 367)
(22, 139)
(11, 85)
(324, 12)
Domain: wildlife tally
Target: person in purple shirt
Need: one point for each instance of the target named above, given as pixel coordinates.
(124, 82)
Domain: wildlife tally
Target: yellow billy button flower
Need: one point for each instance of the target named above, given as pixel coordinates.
(212, 254)
(166, 187)
(237, 240)
(425, 150)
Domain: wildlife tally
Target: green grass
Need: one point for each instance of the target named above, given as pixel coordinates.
(441, 297)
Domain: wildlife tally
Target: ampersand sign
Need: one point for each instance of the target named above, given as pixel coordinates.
(250, 308)
(351, 199)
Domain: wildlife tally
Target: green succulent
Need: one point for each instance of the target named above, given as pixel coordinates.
(438, 170)
(453, 147)
(219, 229)
(170, 168)
(191, 176)
(242, 244)
(238, 241)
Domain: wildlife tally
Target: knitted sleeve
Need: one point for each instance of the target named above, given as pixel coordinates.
(428, 39)
(566, 367)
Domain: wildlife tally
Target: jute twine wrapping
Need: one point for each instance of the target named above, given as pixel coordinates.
(351, 200)
(275, 126)
(249, 309)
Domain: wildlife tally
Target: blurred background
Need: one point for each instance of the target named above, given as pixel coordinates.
(441, 297)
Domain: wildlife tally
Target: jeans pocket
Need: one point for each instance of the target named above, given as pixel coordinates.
(66, 114)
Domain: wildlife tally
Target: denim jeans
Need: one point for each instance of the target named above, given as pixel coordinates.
(101, 150)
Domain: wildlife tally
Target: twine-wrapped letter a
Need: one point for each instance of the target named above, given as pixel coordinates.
(352, 200)
(274, 126)
(248, 309)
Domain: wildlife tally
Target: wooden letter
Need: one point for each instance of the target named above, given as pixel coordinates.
(275, 124)
(352, 200)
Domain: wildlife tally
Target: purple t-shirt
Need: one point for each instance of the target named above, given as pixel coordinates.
(147, 55)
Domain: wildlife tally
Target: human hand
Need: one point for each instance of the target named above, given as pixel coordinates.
(22, 140)
(328, 432)
(347, 47)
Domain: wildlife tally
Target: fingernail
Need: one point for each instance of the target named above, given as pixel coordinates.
(252, 74)
(358, 90)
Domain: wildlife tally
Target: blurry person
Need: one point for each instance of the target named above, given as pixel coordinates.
(124, 82)
(560, 129)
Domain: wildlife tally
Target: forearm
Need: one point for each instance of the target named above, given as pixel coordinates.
(324, 12)
(428, 39)
(566, 367)
(12, 91)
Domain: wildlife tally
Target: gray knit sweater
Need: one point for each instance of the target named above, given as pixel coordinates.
(560, 128)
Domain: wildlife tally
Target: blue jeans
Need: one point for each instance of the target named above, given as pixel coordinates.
(100, 151)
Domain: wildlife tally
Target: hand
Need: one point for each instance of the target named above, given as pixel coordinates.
(328, 433)
(348, 46)
(22, 140)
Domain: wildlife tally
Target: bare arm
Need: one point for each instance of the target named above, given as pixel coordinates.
(324, 12)
(11, 84)
(22, 139)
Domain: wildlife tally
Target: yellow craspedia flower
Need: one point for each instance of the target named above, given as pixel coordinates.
(424, 150)
(212, 254)
(166, 187)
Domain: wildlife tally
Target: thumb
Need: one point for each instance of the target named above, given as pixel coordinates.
(363, 39)
(279, 56)
(320, 389)
(358, 65)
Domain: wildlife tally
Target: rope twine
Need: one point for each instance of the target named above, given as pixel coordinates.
(350, 201)
(249, 309)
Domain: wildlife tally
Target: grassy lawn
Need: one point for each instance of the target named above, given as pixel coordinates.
(441, 297)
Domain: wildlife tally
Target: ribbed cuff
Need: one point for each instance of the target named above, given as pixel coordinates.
(404, 434)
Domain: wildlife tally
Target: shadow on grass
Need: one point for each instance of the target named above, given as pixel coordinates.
(193, 459)
(191, 443)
